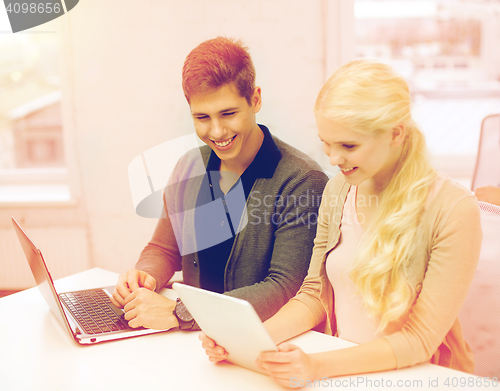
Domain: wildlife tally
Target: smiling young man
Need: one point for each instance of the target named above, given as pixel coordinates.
(240, 212)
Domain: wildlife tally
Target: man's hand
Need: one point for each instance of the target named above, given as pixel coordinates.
(489, 194)
(149, 309)
(129, 282)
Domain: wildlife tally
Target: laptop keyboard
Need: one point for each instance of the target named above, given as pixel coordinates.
(92, 311)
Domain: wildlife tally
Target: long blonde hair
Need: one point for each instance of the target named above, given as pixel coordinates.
(370, 98)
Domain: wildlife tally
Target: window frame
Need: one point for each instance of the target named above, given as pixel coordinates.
(65, 178)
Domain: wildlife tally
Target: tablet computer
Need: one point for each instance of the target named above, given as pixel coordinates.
(232, 323)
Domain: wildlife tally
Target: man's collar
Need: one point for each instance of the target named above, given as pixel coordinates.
(263, 165)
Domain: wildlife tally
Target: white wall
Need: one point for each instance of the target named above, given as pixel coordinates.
(123, 92)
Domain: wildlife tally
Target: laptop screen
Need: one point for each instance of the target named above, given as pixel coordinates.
(40, 272)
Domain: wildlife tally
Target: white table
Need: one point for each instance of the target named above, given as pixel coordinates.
(36, 353)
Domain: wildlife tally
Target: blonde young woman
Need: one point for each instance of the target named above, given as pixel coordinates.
(396, 247)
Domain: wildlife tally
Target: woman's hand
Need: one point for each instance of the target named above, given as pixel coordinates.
(288, 365)
(215, 352)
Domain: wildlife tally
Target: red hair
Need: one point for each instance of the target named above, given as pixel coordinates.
(215, 63)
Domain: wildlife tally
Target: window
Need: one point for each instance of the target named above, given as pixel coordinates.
(447, 50)
(32, 159)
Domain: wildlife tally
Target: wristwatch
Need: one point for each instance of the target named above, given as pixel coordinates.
(186, 320)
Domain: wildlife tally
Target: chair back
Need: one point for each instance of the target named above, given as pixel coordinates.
(487, 171)
(480, 314)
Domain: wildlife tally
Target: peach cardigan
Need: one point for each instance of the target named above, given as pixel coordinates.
(446, 255)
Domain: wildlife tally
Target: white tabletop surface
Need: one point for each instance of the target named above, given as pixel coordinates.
(37, 353)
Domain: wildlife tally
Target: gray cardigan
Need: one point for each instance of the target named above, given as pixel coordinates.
(270, 255)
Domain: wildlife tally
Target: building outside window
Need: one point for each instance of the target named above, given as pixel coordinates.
(448, 51)
(30, 113)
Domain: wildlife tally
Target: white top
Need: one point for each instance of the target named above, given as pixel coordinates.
(353, 322)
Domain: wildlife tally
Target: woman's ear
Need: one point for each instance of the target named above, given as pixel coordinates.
(398, 135)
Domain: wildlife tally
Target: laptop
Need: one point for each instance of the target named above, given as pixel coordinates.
(231, 322)
(88, 315)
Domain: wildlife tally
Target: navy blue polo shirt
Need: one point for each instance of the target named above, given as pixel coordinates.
(213, 259)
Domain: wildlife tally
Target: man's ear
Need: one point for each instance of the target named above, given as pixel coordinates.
(257, 99)
(398, 135)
